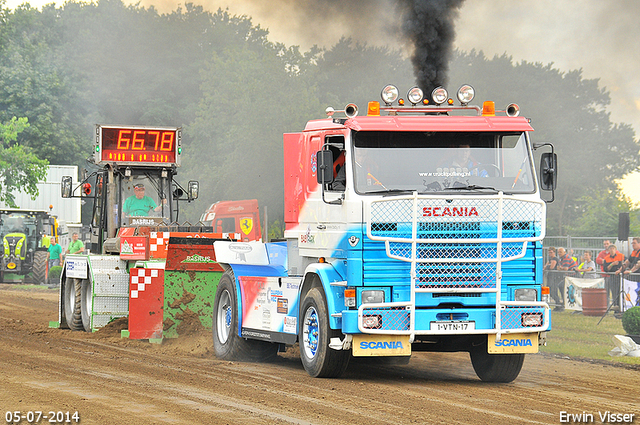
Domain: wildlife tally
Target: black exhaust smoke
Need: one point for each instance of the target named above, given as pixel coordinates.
(428, 26)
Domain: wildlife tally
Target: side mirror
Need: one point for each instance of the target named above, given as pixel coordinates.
(325, 166)
(548, 171)
(66, 187)
(194, 188)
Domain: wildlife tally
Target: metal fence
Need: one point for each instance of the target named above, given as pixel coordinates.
(617, 295)
(581, 244)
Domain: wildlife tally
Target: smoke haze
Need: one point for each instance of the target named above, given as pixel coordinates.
(428, 26)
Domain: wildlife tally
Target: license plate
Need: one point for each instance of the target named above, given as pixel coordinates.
(453, 326)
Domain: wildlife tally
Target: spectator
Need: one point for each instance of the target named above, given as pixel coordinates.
(632, 265)
(76, 246)
(567, 263)
(612, 265)
(603, 253)
(572, 255)
(55, 252)
(553, 278)
(587, 269)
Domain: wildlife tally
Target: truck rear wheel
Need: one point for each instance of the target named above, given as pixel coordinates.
(39, 268)
(226, 342)
(86, 303)
(495, 367)
(318, 359)
(72, 303)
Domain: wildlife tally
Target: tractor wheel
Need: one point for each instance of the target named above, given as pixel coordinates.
(495, 367)
(72, 303)
(40, 268)
(227, 344)
(86, 304)
(318, 359)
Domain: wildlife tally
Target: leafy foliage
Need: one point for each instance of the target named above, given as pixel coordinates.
(568, 111)
(235, 92)
(20, 168)
(631, 321)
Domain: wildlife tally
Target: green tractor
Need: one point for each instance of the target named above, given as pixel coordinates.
(25, 240)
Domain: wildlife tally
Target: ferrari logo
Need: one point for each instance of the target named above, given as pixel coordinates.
(246, 225)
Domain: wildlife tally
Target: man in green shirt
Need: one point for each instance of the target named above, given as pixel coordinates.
(76, 246)
(55, 252)
(139, 205)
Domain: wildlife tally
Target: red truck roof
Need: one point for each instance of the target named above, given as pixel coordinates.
(425, 123)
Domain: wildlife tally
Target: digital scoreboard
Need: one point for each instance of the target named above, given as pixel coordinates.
(138, 145)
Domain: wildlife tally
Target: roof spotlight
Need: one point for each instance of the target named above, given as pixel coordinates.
(415, 95)
(466, 93)
(439, 95)
(389, 94)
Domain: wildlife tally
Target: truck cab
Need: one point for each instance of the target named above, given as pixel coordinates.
(242, 217)
(413, 228)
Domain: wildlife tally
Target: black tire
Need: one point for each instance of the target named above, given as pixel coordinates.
(495, 367)
(40, 268)
(86, 303)
(72, 303)
(314, 336)
(227, 344)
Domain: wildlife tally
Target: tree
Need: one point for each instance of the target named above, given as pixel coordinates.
(20, 168)
(568, 111)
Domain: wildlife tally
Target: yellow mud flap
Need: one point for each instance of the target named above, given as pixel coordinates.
(513, 343)
(365, 345)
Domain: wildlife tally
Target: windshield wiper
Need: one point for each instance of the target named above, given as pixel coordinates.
(471, 187)
(391, 192)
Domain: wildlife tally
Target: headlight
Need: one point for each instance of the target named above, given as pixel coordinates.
(466, 93)
(372, 296)
(415, 95)
(389, 94)
(372, 322)
(531, 320)
(439, 95)
(526, 294)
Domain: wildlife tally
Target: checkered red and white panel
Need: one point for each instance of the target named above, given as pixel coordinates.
(140, 278)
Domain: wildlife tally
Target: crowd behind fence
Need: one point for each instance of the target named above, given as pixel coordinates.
(622, 290)
(614, 283)
(581, 244)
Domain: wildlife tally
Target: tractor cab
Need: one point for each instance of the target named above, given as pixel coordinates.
(135, 186)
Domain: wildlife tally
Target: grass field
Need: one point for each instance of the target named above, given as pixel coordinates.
(576, 335)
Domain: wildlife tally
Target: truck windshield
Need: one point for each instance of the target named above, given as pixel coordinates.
(441, 162)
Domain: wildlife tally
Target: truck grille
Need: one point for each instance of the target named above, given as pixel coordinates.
(458, 242)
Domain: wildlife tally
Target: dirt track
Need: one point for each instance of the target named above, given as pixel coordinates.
(107, 379)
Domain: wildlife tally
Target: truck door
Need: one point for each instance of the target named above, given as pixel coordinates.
(323, 223)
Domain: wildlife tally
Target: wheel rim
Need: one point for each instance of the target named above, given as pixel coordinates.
(310, 332)
(224, 316)
(71, 299)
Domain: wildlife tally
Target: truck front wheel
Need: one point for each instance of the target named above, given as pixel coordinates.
(72, 303)
(318, 359)
(495, 367)
(227, 344)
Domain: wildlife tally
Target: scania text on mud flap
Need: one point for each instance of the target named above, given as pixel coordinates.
(414, 228)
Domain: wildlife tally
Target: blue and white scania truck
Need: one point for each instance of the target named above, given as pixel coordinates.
(417, 227)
